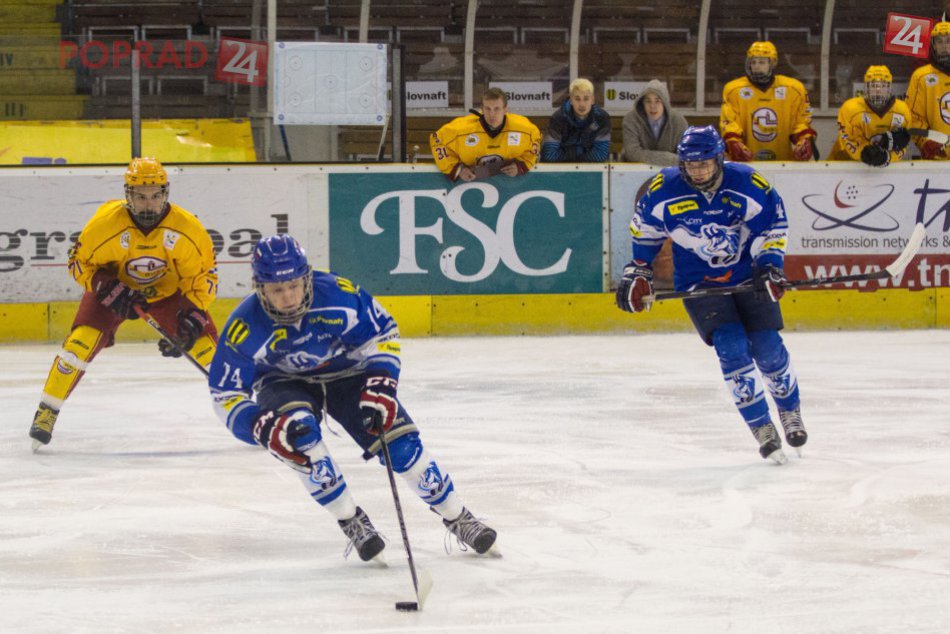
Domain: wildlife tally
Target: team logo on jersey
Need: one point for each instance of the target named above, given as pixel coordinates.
(897, 121)
(930, 80)
(780, 92)
(759, 181)
(945, 107)
(764, 125)
(171, 237)
(865, 118)
(682, 207)
(657, 182)
(745, 93)
(146, 269)
(471, 140)
(237, 332)
(279, 335)
(389, 347)
(124, 240)
(514, 138)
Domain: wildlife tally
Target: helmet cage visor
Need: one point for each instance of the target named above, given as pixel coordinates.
(149, 216)
(290, 315)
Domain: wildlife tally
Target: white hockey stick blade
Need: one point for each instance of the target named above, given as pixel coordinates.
(897, 267)
(425, 587)
(931, 135)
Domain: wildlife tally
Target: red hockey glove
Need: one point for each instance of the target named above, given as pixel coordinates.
(931, 150)
(116, 296)
(635, 292)
(802, 151)
(738, 151)
(378, 403)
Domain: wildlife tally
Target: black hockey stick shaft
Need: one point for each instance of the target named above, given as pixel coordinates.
(157, 327)
(891, 270)
(378, 424)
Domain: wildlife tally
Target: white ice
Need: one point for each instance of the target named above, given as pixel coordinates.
(627, 495)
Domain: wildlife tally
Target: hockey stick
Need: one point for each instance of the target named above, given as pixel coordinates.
(161, 331)
(893, 269)
(402, 606)
(931, 135)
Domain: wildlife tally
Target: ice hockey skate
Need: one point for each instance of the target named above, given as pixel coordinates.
(41, 431)
(795, 434)
(472, 533)
(770, 445)
(363, 537)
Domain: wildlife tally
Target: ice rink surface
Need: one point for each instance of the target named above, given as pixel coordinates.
(627, 495)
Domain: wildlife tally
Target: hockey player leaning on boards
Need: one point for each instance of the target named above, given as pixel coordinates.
(873, 128)
(766, 117)
(728, 226)
(309, 343)
(142, 252)
(476, 146)
(927, 94)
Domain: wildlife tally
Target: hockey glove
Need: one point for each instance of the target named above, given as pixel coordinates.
(895, 140)
(738, 151)
(116, 296)
(635, 292)
(287, 436)
(931, 150)
(378, 403)
(191, 323)
(803, 150)
(769, 279)
(875, 156)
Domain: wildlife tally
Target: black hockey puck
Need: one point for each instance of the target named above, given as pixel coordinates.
(407, 606)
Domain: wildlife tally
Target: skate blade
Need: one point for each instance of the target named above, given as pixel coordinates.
(379, 561)
(494, 551)
(778, 457)
(37, 445)
(798, 452)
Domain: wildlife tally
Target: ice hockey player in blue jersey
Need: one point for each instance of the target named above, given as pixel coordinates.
(728, 226)
(308, 344)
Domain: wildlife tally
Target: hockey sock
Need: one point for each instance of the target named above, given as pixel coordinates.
(326, 484)
(740, 374)
(774, 362)
(430, 483)
(70, 364)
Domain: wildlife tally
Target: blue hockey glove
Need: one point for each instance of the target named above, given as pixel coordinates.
(635, 292)
(769, 279)
(191, 323)
(378, 403)
(288, 436)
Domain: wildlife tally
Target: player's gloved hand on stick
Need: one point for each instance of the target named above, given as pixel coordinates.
(378, 402)
(635, 292)
(738, 150)
(116, 296)
(803, 150)
(287, 436)
(769, 279)
(931, 150)
(895, 140)
(191, 323)
(875, 156)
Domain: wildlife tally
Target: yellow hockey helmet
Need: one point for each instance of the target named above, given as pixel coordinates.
(145, 171)
(877, 87)
(760, 50)
(763, 49)
(878, 73)
(940, 28)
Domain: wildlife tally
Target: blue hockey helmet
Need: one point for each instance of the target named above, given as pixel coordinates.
(278, 259)
(701, 144)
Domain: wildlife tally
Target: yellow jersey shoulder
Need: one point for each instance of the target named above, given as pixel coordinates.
(460, 126)
(521, 123)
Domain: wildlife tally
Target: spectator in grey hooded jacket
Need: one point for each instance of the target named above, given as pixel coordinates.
(652, 129)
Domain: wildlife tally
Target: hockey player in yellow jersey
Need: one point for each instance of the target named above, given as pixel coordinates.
(765, 116)
(873, 128)
(928, 94)
(496, 141)
(141, 253)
